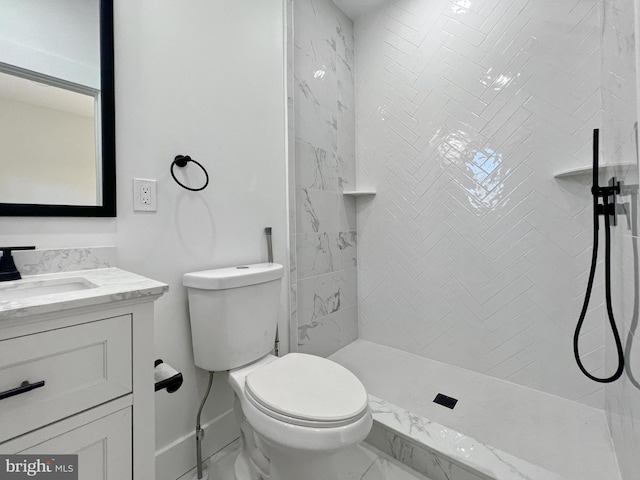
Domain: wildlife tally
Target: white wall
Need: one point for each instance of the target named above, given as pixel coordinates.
(471, 252)
(206, 79)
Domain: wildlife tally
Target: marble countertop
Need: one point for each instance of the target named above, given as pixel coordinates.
(106, 285)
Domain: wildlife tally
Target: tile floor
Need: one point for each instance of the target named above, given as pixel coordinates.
(366, 463)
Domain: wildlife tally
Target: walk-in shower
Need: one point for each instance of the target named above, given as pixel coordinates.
(443, 218)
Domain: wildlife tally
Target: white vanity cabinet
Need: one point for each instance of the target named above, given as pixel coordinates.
(92, 369)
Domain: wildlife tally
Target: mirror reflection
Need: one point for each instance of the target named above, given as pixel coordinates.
(48, 138)
(51, 111)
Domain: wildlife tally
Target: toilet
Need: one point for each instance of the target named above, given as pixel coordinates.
(296, 412)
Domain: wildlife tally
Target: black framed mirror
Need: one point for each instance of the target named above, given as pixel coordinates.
(57, 108)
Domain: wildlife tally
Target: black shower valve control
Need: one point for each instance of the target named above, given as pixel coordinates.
(607, 209)
(612, 189)
(608, 194)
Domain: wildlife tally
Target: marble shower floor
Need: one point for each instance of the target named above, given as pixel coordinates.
(565, 437)
(365, 464)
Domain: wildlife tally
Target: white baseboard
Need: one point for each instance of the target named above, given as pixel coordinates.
(179, 457)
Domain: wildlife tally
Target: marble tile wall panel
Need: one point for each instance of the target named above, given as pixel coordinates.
(471, 253)
(347, 244)
(329, 302)
(317, 168)
(318, 253)
(619, 83)
(291, 174)
(325, 241)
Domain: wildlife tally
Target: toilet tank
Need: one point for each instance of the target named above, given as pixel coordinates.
(234, 314)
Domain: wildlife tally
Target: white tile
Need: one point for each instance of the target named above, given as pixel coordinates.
(347, 244)
(317, 253)
(315, 124)
(346, 172)
(315, 83)
(318, 296)
(316, 211)
(346, 212)
(387, 468)
(324, 126)
(349, 287)
(325, 335)
(315, 167)
(316, 42)
(361, 462)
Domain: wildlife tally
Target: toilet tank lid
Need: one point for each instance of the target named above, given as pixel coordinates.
(233, 277)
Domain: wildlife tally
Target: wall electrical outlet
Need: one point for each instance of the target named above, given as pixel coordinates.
(144, 195)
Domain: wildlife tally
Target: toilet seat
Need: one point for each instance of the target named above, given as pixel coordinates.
(306, 390)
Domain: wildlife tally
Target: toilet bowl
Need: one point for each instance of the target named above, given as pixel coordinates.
(297, 411)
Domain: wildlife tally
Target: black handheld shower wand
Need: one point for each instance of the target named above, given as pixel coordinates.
(608, 210)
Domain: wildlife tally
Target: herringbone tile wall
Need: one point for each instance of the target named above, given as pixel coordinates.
(472, 253)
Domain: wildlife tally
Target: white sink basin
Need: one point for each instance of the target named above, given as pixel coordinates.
(21, 289)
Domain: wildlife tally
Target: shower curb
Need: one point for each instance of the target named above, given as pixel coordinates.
(441, 453)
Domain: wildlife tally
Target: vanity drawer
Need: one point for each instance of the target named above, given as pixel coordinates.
(82, 366)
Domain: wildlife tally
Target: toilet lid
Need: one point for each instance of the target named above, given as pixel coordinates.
(307, 387)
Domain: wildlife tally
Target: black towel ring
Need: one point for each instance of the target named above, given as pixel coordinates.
(181, 161)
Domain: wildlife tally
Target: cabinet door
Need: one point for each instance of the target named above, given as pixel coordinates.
(82, 366)
(103, 447)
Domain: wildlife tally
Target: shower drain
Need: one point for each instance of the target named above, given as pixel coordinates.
(445, 401)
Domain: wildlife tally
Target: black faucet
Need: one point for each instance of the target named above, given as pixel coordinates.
(8, 270)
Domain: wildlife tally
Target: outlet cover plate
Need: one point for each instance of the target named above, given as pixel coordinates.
(144, 195)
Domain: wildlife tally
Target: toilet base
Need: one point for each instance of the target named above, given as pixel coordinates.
(242, 468)
(277, 463)
(276, 450)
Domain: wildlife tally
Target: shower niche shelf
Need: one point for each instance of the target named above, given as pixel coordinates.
(587, 169)
(359, 193)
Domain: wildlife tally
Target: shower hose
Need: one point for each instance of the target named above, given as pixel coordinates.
(607, 267)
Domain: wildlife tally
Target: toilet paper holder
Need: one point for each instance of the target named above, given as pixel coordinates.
(166, 377)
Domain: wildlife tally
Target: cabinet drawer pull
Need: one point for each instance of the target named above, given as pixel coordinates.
(23, 388)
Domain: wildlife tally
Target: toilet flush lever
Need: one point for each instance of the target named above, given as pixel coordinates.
(267, 232)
